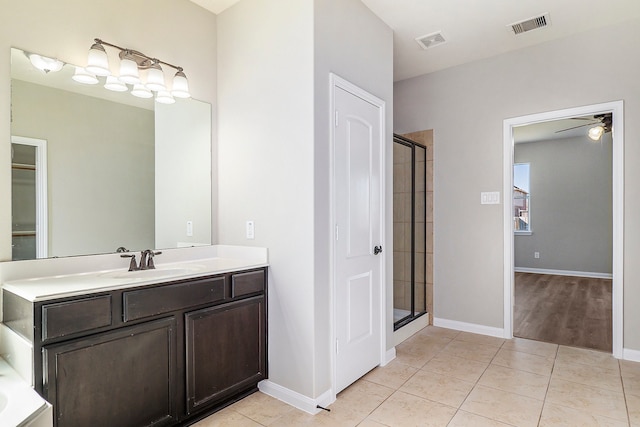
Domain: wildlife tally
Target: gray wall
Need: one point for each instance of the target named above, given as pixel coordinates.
(274, 156)
(100, 168)
(571, 205)
(466, 107)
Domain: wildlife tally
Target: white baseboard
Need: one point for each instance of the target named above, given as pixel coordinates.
(389, 356)
(469, 327)
(591, 274)
(296, 399)
(631, 355)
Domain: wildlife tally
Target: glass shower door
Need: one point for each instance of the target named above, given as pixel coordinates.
(409, 231)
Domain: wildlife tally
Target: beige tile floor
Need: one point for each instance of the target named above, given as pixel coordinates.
(442, 377)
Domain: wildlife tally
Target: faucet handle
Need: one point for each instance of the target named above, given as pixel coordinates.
(150, 263)
(133, 266)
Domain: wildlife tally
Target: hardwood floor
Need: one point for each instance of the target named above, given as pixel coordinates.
(574, 311)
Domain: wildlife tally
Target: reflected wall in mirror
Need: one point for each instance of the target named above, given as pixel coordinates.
(120, 171)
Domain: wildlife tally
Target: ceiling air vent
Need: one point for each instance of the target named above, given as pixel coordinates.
(430, 40)
(531, 24)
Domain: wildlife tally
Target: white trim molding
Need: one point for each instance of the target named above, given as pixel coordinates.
(591, 274)
(469, 327)
(631, 355)
(617, 108)
(296, 399)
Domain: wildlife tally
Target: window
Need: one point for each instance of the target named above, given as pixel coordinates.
(521, 199)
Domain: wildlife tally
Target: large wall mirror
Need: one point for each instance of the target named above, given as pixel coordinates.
(94, 170)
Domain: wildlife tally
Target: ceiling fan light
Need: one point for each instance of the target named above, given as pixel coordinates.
(114, 84)
(596, 132)
(97, 62)
(45, 64)
(155, 78)
(83, 76)
(128, 69)
(180, 87)
(141, 91)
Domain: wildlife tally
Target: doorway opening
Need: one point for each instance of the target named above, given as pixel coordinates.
(562, 183)
(29, 213)
(616, 203)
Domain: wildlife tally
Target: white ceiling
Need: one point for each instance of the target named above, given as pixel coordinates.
(476, 29)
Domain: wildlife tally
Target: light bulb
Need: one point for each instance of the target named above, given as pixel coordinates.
(83, 76)
(128, 69)
(141, 91)
(596, 132)
(155, 78)
(114, 84)
(164, 97)
(97, 62)
(180, 87)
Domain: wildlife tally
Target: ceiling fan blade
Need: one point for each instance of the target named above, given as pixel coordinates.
(576, 127)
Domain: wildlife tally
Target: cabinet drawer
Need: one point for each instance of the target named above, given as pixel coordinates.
(70, 317)
(247, 283)
(163, 299)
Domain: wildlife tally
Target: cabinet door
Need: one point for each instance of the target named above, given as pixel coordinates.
(226, 350)
(121, 378)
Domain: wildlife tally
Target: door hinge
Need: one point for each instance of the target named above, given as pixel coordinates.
(337, 347)
(337, 232)
(336, 118)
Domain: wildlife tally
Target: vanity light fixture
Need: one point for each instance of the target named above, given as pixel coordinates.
(81, 75)
(164, 97)
(45, 64)
(114, 84)
(131, 63)
(141, 91)
(97, 62)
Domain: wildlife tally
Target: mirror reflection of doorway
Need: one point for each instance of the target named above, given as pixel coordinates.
(563, 241)
(409, 230)
(28, 198)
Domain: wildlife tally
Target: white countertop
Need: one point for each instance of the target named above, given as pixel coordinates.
(46, 287)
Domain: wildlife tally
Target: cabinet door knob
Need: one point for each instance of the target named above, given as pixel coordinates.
(377, 250)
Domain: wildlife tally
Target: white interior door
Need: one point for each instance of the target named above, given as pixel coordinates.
(358, 216)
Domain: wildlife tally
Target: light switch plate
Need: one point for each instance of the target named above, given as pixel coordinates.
(490, 198)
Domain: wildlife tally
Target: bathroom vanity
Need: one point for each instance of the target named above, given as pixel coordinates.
(157, 347)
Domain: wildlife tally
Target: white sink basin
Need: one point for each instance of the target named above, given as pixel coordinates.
(152, 274)
(3, 401)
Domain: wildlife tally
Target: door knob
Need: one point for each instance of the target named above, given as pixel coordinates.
(377, 250)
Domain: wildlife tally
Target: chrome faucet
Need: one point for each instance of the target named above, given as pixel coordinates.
(133, 266)
(146, 259)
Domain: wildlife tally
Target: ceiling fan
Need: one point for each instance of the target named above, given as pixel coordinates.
(600, 124)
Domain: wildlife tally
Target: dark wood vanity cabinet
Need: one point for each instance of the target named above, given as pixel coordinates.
(125, 377)
(210, 333)
(163, 354)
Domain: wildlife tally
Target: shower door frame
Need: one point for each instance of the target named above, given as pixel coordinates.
(399, 139)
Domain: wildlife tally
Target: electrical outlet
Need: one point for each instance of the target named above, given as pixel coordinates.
(536, 255)
(250, 230)
(189, 228)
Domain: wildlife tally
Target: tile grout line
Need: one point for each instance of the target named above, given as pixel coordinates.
(624, 393)
(546, 392)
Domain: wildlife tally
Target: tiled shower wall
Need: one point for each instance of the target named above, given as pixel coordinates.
(424, 138)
